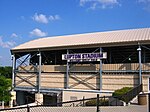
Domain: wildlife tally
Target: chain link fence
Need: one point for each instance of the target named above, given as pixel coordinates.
(93, 104)
(98, 104)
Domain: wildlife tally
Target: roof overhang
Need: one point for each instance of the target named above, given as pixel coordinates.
(99, 39)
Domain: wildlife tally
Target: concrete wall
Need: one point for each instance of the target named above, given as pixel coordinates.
(70, 95)
(49, 80)
(119, 80)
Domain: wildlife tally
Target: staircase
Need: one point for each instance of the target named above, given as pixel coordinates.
(127, 97)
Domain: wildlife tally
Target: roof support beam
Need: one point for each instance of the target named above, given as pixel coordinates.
(13, 70)
(67, 73)
(39, 73)
(140, 65)
(100, 70)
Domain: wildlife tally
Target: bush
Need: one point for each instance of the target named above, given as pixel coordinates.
(121, 91)
(118, 93)
(102, 102)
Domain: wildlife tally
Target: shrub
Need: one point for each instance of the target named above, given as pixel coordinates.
(102, 102)
(118, 93)
(121, 91)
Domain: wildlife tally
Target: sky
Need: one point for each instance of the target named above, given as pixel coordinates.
(25, 20)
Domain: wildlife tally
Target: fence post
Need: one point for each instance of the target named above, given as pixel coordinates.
(73, 104)
(97, 103)
(28, 108)
(83, 102)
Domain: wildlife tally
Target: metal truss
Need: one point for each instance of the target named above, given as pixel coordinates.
(84, 81)
(21, 64)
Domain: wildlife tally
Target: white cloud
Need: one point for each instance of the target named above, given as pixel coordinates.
(1, 57)
(38, 32)
(145, 3)
(7, 44)
(103, 4)
(14, 35)
(53, 18)
(41, 18)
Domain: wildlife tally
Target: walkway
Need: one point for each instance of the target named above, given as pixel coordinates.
(84, 109)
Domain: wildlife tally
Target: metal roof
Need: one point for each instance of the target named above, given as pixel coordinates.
(114, 38)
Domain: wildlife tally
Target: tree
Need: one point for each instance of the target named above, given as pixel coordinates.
(6, 71)
(5, 87)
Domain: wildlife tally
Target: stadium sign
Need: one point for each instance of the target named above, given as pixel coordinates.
(84, 57)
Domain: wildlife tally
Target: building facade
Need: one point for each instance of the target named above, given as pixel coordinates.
(41, 72)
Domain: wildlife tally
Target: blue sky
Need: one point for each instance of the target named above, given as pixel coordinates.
(25, 20)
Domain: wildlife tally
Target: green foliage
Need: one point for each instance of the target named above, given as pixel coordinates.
(102, 102)
(6, 71)
(5, 86)
(118, 93)
(121, 91)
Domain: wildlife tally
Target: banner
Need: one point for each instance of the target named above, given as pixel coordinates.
(84, 56)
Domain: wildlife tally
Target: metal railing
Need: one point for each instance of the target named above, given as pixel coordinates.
(127, 97)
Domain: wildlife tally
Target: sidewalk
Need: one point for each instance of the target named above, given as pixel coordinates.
(134, 108)
(131, 108)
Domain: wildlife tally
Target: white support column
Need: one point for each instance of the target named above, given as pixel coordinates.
(100, 71)
(3, 104)
(39, 73)
(13, 70)
(67, 73)
(13, 99)
(13, 93)
(140, 65)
